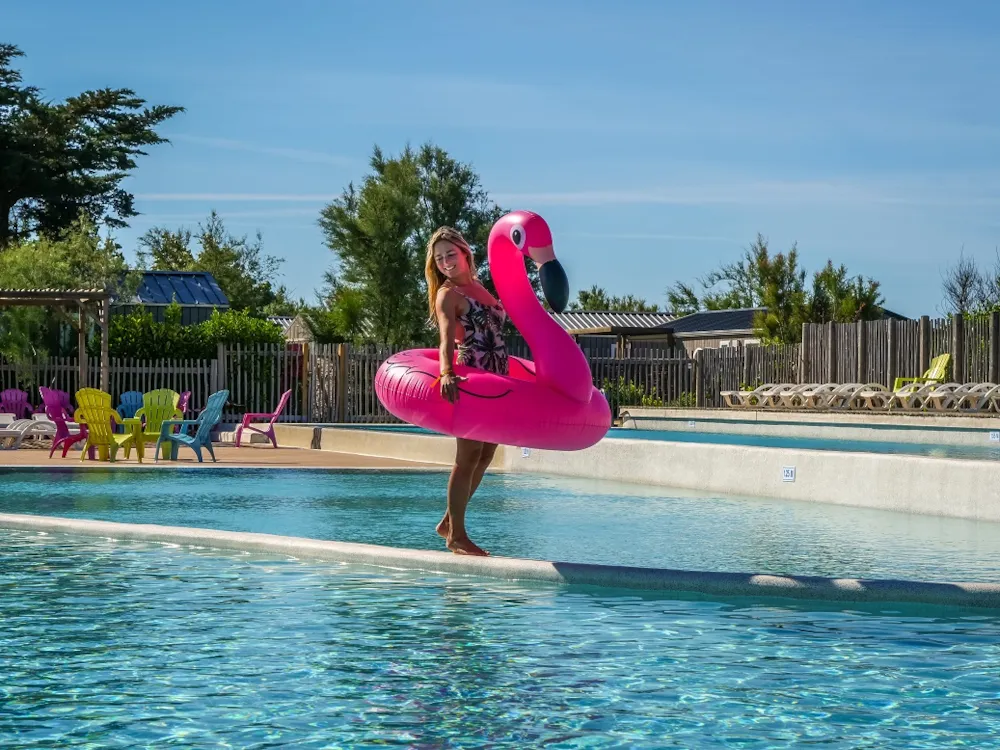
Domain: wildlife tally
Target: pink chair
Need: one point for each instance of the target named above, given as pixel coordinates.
(14, 401)
(182, 404)
(268, 432)
(57, 406)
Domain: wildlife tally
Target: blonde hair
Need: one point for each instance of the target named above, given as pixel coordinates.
(432, 273)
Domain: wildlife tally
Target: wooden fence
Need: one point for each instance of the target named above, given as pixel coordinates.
(881, 351)
(334, 383)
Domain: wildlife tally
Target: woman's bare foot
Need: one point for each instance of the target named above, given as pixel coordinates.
(444, 528)
(465, 546)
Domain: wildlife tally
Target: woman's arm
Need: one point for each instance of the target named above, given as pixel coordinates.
(448, 326)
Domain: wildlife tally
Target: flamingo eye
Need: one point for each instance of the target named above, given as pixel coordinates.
(517, 236)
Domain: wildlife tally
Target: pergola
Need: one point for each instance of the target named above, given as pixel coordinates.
(95, 303)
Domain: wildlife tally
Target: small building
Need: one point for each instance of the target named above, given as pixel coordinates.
(599, 332)
(713, 329)
(294, 328)
(197, 292)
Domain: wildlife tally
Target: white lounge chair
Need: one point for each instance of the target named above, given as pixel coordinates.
(16, 432)
(947, 396)
(980, 398)
(761, 396)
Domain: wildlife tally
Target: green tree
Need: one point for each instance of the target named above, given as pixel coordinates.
(840, 299)
(58, 159)
(78, 257)
(244, 273)
(778, 284)
(597, 299)
(378, 233)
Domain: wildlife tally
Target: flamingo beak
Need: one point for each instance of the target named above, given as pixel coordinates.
(555, 284)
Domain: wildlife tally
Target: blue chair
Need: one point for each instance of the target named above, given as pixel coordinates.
(128, 404)
(202, 438)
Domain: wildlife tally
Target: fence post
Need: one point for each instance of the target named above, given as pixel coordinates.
(341, 405)
(892, 355)
(862, 373)
(699, 380)
(958, 348)
(804, 349)
(994, 374)
(221, 374)
(81, 349)
(305, 407)
(924, 344)
(831, 352)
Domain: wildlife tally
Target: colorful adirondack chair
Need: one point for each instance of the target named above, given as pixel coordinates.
(95, 411)
(157, 406)
(202, 438)
(182, 404)
(128, 404)
(14, 401)
(936, 374)
(271, 418)
(53, 398)
(59, 409)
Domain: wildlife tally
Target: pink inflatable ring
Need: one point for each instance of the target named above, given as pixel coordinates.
(549, 403)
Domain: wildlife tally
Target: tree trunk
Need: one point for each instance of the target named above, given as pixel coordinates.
(6, 233)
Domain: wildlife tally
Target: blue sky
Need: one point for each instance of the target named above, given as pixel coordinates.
(657, 138)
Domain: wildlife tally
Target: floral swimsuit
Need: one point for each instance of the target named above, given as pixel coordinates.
(483, 346)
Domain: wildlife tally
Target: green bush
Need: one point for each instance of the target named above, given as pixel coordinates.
(138, 336)
(686, 400)
(628, 393)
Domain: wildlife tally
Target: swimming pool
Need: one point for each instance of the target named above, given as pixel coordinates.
(987, 451)
(530, 516)
(125, 644)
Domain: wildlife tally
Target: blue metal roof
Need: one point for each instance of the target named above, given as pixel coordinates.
(190, 288)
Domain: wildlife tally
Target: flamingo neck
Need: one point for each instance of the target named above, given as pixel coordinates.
(559, 362)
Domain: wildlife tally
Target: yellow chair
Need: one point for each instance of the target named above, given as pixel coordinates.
(96, 413)
(936, 374)
(157, 407)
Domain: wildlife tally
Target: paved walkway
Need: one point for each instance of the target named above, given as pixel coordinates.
(227, 455)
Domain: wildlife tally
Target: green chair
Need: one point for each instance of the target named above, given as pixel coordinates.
(936, 374)
(96, 413)
(157, 406)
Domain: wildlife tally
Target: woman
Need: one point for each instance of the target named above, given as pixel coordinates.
(471, 323)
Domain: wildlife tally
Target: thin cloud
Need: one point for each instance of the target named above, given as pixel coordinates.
(296, 154)
(651, 236)
(763, 193)
(241, 197)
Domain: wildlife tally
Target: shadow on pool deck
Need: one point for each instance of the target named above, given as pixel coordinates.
(256, 456)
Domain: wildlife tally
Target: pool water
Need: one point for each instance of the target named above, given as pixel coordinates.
(125, 644)
(989, 451)
(513, 515)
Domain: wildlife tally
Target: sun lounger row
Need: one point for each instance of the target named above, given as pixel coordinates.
(964, 397)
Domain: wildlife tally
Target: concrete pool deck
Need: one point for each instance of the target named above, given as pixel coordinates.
(228, 456)
(815, 588)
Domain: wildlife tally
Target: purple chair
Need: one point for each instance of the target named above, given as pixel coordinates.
(182, 404)
(14, 401)
(59, 409)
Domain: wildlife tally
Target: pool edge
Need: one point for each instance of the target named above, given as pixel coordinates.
(817, 588)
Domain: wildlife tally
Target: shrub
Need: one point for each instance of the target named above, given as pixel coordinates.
(138, 336)
(624, 393)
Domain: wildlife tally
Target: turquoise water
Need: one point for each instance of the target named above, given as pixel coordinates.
(989, 451)
(558, 519)
(134, 645)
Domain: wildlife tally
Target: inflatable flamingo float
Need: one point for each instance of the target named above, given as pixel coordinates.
(549, 403)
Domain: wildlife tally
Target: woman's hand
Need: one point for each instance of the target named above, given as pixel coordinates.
(449, 387)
